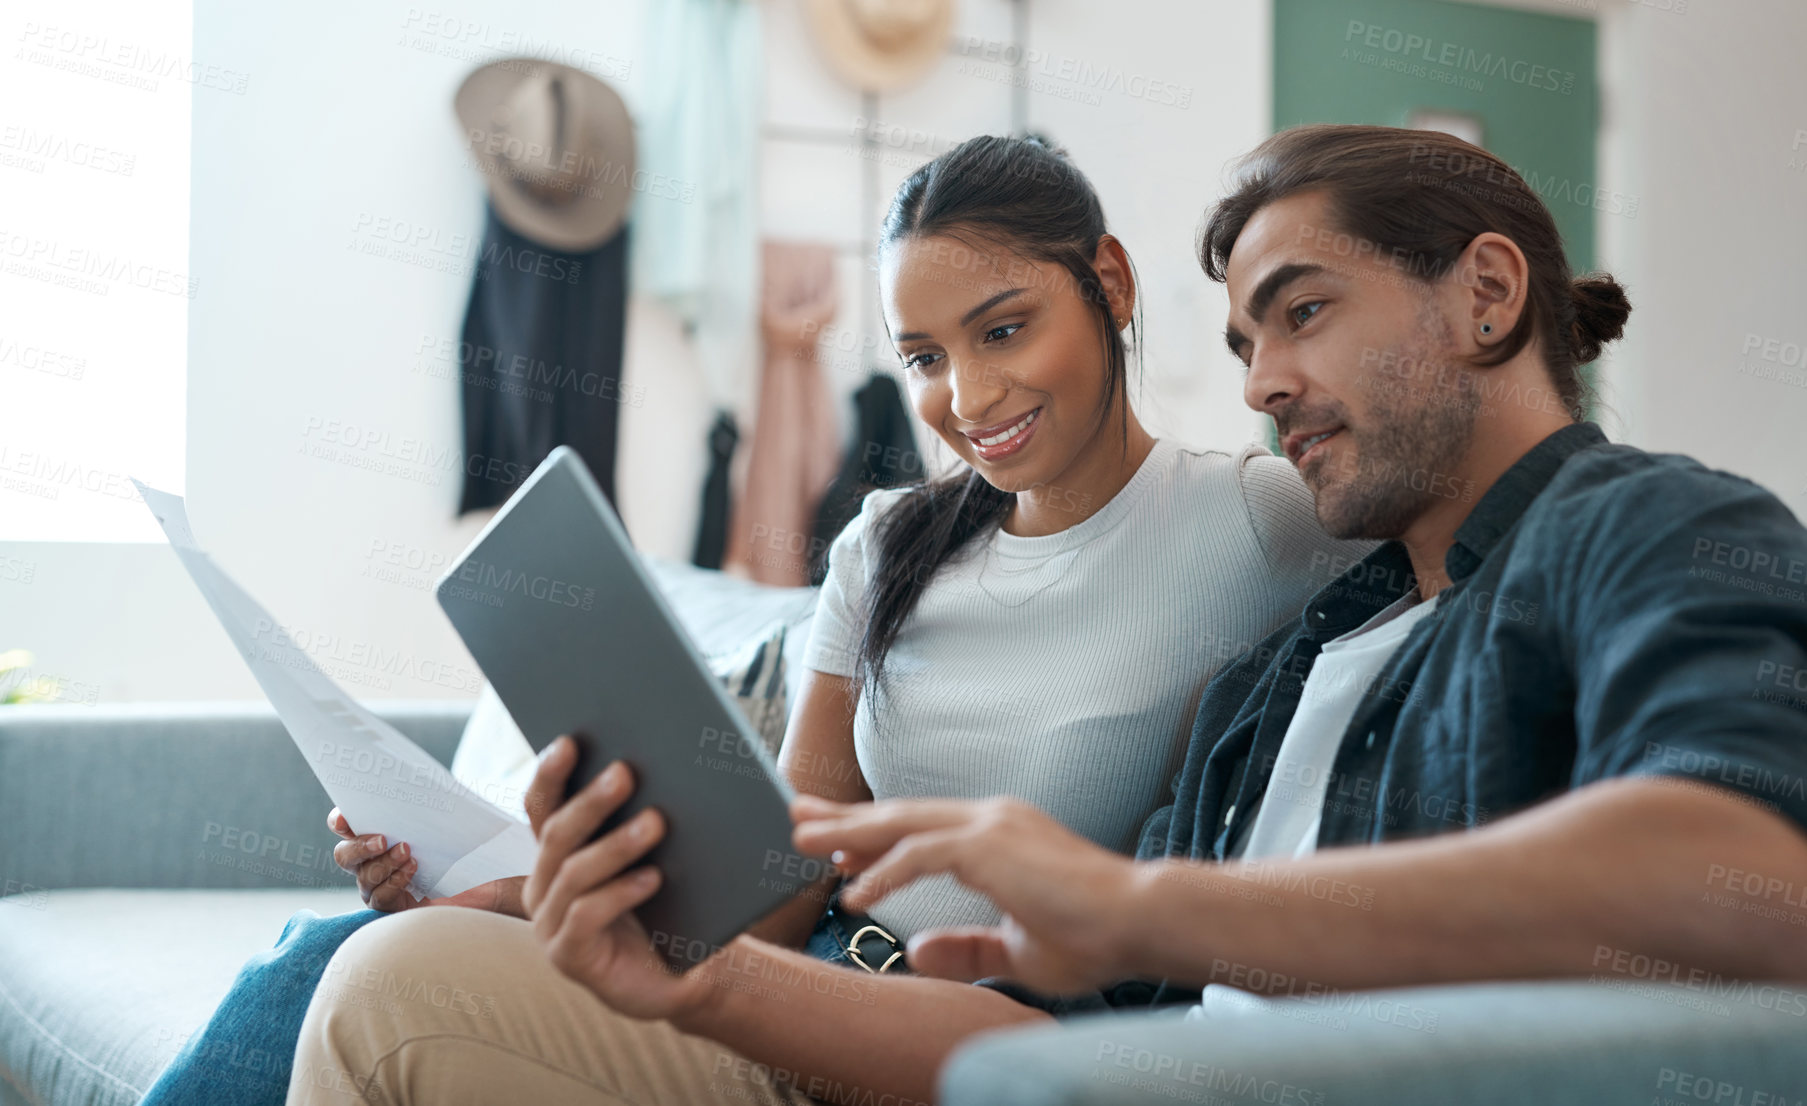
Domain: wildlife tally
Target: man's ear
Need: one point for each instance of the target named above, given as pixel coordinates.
(1115, 279)
(1492, 277)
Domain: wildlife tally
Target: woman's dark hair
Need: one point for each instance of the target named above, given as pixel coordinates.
(1419, 198)
(1016, 195)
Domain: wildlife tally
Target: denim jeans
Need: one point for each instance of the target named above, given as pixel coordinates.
(244, 1053)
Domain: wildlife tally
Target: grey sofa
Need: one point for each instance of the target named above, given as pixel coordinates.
(146, 851)
(1617, 1041)
(150, 850)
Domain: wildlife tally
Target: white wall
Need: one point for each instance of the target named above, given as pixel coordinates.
(346, 120)
(1706, 112)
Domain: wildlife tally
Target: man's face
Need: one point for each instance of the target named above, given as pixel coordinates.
(1354, 358)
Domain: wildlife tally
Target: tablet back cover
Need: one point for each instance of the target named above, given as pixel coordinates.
(574, 636)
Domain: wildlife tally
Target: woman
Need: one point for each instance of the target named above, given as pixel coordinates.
(1040, 623)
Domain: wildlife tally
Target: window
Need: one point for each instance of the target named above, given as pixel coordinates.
(94, 281)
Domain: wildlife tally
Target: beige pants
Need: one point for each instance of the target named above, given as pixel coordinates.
(446, 1005)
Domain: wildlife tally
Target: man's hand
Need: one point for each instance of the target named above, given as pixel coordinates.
(1062, 896)
(383, 873)
(581, 892)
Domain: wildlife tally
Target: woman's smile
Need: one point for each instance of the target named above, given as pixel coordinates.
(1005, 439)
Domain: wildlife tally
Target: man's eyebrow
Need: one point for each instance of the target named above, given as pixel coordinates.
(969, 316)
(1235, 339)
(1263, 298)
(1271, 285)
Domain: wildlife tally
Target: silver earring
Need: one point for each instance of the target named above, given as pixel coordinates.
(1486, 328)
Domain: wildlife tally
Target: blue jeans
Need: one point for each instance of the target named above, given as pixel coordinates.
(245, 1052)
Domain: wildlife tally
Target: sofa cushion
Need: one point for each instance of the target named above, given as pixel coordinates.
(99, 989)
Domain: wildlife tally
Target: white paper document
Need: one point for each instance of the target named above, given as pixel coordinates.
(383, 782)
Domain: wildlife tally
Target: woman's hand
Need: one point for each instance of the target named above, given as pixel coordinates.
(1066, 927)
(383, 873)
(581, 892)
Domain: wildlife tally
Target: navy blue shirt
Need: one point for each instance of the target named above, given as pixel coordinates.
(1610, 613)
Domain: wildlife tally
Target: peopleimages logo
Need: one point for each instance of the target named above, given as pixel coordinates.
(35, 146)
(1407, 46)
(498, 579)
(1710, 766)
(1071, 78)
(84, 269)
(429, 247)
(117, 61)
(1654, 969)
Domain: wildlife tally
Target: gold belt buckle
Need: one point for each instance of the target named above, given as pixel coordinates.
(854, 954)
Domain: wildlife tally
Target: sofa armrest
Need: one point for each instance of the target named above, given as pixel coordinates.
(174, 795)
(1554, 1043)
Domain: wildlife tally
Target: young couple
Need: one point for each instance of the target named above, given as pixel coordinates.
(1533, 656)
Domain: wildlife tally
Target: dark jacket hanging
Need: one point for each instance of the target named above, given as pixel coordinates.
(883, 455)
(540, 364)
(712, 522)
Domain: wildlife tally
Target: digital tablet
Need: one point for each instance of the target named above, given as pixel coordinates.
(569, 628)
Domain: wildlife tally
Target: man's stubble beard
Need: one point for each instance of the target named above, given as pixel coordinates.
(1412, 433)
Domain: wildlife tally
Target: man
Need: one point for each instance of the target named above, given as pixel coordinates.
(1566, 649)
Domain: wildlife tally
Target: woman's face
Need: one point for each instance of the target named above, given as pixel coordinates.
(1002, 356)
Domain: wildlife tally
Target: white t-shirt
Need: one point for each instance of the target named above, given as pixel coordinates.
(1292, 807)
(1065, 669)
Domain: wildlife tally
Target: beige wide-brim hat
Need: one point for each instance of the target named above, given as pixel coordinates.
(881, 45)
(556, 147)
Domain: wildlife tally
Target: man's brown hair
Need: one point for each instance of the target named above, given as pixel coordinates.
(1419, 198)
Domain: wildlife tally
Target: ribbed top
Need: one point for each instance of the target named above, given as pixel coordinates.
(1064, 669)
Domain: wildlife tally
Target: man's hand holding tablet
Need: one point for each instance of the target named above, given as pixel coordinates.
(582, 892)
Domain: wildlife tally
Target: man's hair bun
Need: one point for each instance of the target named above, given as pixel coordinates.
(1600, 312)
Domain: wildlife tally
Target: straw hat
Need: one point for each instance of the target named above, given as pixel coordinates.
(557, 148)
(881, 45)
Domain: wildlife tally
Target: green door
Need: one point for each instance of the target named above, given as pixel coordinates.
(1524, 80)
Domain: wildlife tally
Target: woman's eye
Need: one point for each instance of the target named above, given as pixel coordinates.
(920, 361)
(999, 333)
(1303, 313)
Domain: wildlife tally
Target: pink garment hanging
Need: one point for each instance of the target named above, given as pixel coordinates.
(796, 439)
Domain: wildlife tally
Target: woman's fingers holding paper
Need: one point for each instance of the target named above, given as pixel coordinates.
(353, 852)
(376, 870)
(392, 893)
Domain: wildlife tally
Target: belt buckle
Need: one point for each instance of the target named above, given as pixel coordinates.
(854, 954)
